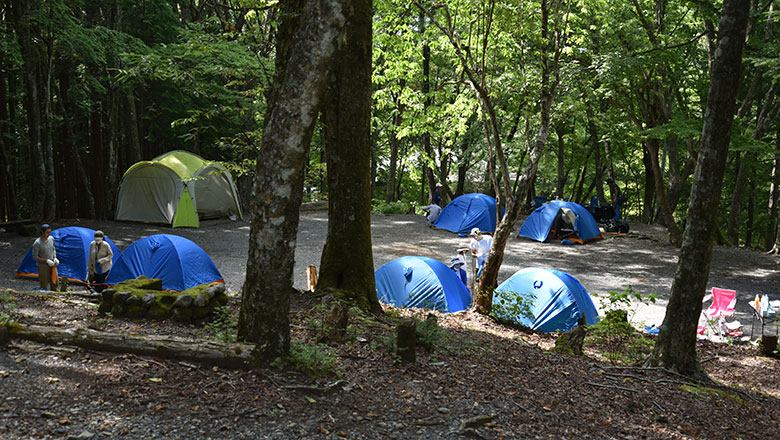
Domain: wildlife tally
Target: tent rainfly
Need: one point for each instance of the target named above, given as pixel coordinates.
(421, 282)
(555, 300)
(468, 211)
(176, 188)
(560, 214)
(179, 262)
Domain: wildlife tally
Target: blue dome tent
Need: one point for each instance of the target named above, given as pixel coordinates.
(72, 246)
(468, 211)
(558, 215)
(556, 300)
(177, 261)
(421, 282)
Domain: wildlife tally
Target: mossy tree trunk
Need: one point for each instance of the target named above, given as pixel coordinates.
(307, 40)
(347, 265)
(676, 345)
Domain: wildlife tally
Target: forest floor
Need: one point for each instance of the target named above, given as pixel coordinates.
(474, 378)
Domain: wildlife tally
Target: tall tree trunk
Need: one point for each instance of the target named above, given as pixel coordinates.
(133, 150)
(675, 348)
(426, 136)
(8, 208)
(390, 194)
(596, 146)
(307, 40)
(774, 197)
(347, 266)
(750, 214)
(50, 181)
(560, 181)
(550, 53)
(675, 236)
(96, 146)
(37, 166)
(72, 147)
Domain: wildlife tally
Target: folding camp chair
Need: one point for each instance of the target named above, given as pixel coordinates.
(723, 301)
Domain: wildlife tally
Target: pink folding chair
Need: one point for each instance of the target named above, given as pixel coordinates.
(723, 302)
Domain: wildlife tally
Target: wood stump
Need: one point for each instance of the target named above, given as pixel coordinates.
(311, 278)
(571, 342)
(406, 340)
(334, 326)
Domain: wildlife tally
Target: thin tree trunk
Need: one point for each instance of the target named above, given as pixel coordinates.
(347, 266)
(8, 203)
(774, 196)
(675, 348)
(560, 181)
(133, 151)
(750, 215)
(70, 142)
(307, 40)
(21, 10)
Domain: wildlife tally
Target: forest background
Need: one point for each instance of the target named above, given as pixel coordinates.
(87, 88)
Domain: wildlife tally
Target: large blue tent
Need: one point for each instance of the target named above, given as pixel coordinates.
(421, 282)
(177, 261)
(555, 300)
(72, 247)
(543, 219)
(468, 211)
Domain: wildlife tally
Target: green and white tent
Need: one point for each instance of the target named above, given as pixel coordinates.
(176, 188)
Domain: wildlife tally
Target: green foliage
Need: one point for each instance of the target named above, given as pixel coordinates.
(428, 333)
(224, 325)
(514, 307)
(627, 301)
(7, 304)
(313, 360)
(382, 207)
(614, 335)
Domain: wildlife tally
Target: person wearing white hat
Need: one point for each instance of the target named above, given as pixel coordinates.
(480, 246)
(456, 264)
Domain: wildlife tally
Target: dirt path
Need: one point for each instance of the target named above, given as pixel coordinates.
(640, 259)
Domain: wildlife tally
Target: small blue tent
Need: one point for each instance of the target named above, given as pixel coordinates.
(72, 247)
(556, 214)
(556, 300)
(421, 282)
(468, 211)
(179, 262)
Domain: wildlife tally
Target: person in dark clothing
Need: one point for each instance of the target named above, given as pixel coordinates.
(617, 197)
(437, 195)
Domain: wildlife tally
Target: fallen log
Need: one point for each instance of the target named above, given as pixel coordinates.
(226, 354)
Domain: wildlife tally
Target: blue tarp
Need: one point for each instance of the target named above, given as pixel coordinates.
(556, 299)
(537, 226)
(179, 262)
(72, 247)
(421, 282)
(468, 211)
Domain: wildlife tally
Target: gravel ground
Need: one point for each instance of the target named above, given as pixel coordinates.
(641, 259)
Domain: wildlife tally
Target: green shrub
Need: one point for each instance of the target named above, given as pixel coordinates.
(6, 305)
(512, 305)
(312, 360)
(382, 207)
(224, 326)
(614, 336)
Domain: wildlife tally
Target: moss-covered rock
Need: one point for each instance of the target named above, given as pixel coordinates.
(131, 298)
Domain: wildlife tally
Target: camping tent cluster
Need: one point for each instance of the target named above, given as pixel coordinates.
(177, 261)
(177, 188)
(542, 299)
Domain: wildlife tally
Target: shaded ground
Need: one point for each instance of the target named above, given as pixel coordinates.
(474, 367)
